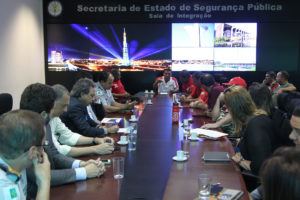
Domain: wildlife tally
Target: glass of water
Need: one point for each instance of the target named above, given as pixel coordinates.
(204, 184)
(118, 167)
(132, 142)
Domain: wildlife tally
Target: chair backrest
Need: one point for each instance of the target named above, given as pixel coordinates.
(288, 101)
(6, 103)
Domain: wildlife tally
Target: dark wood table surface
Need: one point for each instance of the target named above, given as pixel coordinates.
(150, 173)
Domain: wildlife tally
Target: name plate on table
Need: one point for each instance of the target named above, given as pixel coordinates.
(216, 157)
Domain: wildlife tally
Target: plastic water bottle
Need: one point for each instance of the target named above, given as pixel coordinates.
(175, 113)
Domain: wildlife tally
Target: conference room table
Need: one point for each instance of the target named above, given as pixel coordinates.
(150, 172)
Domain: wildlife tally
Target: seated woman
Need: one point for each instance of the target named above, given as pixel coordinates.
(220, 114)
(281, 175)
(262, 97)
(255, 127)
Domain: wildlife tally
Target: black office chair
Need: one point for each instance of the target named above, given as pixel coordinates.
(6, 103)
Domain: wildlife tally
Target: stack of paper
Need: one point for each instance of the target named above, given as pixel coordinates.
(209, 133)
(111, 120)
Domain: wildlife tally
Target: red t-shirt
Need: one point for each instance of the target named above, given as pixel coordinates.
(200, 93)
(274, 87)
(189, 86)
(118, 88)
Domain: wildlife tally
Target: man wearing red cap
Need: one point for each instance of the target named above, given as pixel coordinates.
(237, 81)
(220, 113)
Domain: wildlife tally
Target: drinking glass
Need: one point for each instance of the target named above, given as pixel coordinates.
(118, 167)
(204, 184)
(132, 142)
(185, 146)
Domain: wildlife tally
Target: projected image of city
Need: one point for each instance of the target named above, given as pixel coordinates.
(214, 46)
(235, 46)
(131, 47)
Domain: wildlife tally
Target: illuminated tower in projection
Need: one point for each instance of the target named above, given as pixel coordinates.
(125, 50)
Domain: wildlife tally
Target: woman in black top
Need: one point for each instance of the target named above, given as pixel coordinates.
(255, 127)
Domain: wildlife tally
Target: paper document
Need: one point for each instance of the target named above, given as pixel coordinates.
(209, 133)
(124, 130)
(111, 120)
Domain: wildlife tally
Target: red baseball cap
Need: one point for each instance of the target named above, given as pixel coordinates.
(237, 81)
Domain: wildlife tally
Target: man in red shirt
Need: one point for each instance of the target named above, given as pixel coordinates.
(187, 82)
(198, 94)
(117, 88)
(212, 88)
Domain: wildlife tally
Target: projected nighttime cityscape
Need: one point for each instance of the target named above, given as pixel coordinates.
(73, 47)
(151, 47)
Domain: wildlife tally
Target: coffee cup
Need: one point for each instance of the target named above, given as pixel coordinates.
(185, 122)
(152, 91)
(149, 101)
(180, 155)
(123, 139)
(146, 91)
(133, 118)
(193, 134)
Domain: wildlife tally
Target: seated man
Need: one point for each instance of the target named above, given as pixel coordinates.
(77, 118)
(22, 134)
(187, 84)
(284, 85)
(117, 88)
(166, 83)
(40, 98)
(270, 81)
(198, 95)
(212, 88)
(104, 95)
(65, 140)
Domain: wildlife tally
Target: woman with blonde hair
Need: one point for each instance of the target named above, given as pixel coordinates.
(255, 127)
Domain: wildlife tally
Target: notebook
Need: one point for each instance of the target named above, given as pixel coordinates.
(216, 157)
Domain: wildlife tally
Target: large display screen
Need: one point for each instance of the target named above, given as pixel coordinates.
(151, 47)
(214, 46)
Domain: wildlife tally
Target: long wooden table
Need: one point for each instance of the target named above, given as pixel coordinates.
(150, 172)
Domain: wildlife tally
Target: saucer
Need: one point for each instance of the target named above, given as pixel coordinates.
(193, 139)
(181, 160)
(131, 120)
(149, 103)
(122, 143)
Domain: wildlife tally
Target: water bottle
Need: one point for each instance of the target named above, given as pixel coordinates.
(175, 113)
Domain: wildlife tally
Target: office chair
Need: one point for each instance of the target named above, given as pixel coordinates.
(6, 103)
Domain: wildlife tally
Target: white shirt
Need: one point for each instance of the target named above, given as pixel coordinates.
(91, 113)
(63, 138)
(164, 87)
(104, 96)
(11, 190)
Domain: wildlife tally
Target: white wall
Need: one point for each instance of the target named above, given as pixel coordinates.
(21, 46)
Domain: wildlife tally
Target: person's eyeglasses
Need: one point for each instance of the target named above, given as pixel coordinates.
(228, 89)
